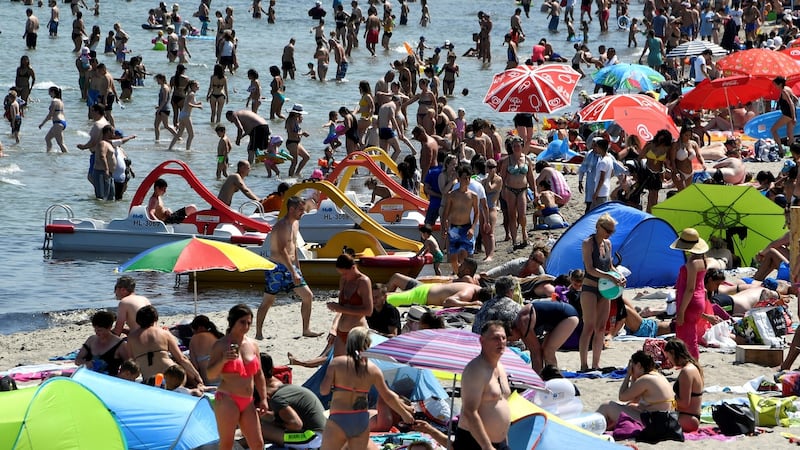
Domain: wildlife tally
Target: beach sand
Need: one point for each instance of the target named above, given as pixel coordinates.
(283, 328)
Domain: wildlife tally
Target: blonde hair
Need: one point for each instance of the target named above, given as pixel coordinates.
(606, 220)
(358, 340)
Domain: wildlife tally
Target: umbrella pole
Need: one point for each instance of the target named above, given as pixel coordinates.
(195, 294)
(450, 421)
(730, 112)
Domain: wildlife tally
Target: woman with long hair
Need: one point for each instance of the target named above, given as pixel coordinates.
(277, 88)
(205, 335)
(690, 290)
(185, 116)
(352, 138)
(162, 108)
(597, 261)
(681, 156)
(179, 83)
(493, 185)
(349, 378)
(517, 172)
(688, 387)
(294, 133)
(56, 114)
(254, 91)
(787, 102)
(236, 359)
(655, 154)
(217, 94)
(366, 107)
(427, 106)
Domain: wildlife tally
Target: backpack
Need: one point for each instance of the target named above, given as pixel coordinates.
(733, 419)
(7, 384)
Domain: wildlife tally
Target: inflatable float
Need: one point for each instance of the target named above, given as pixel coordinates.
(147, 26)
(759, 127)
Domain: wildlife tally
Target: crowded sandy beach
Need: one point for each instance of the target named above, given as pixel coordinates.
(407, 78)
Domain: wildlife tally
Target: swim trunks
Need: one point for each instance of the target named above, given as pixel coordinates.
(385, 133)
(438, 256)
(458, 239)
(372, 36)
(648, 329)
(280, 279)
(415, 296)
(177, 216)
(259, 138)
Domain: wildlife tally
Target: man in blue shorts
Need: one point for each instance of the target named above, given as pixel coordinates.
(459, 219)
(286, 275)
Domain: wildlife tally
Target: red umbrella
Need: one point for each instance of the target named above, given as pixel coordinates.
(724, 92)
(644, 122)
(794, 52)
(602, 109)
(759, 62)
(541, 89)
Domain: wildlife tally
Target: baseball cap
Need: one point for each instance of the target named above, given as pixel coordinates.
(787, 166)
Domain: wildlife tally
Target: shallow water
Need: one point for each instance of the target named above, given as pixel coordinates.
(36, 291)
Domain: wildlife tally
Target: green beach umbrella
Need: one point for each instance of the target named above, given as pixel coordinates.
(739, 214)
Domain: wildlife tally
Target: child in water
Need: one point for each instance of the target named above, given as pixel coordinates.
(333, 138)
(632, 32)
(311, 72)
(430, 245)
(223, 149)
(272, 154)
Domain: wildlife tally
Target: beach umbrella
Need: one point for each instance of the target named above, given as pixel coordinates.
(603, 109)
(196, 255)
(449, 350)
(644, 122)
(696, 47)
(631, 77)
(759, 62)
(724, 92)
(532, 89)
(793, 52)
(739, 214)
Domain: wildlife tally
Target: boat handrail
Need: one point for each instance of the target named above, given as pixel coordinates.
(48, 219)
(258, 205)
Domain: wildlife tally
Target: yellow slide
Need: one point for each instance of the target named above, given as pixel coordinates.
(361, 219)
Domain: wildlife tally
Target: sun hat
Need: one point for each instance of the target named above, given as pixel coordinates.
(778, 41)
(298, 109)
(690, 241)
(276, 140)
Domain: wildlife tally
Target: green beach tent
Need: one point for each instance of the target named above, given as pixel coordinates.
(59, 414)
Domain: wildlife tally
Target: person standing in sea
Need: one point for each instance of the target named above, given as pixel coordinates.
(31, 29)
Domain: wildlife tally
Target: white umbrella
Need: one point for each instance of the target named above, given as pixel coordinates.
(696, 47)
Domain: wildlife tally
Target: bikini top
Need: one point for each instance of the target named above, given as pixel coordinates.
(521, 169)
(354, 299)
(349, 389)
(652, 156)
(244, 369)
(676, 389)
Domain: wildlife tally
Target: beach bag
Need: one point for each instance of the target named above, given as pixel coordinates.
(790, 383)
(655, 348)
(283, 373)
(7, 384)
(733, 419)
(771, 411)
(762, 326)
(660, 426)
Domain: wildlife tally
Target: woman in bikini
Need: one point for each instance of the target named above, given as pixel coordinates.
(103, 352)
(277, 89)
(185, 116)
(643, 389)
(450, 70)
(162, 108)
(217, 94)
(179, 83)
(56, 114)
(366, 107)
(597, 254)
(349, 378)
(655, 155)
(682, 155)
(787, 102)
(205, 335)
(688, 388)
(254, 90)
(236, 359)
(294, 134)
(355, 301)
(493, 185)
(151, 347)
(352, 139)
(518, 175)
(426, 112)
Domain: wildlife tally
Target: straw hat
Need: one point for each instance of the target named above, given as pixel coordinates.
(298, 109)
(690, 241)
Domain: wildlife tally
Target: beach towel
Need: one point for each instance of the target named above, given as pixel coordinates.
(68, 357)
(607, 372)
(704, 433)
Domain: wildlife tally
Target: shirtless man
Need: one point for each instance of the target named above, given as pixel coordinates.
(388, 126)
(286, 276)
(52, 25)
(355, 301)
(730, 169)
(157, 211)
(460, 219)
(287, 60)
(479, 141)
(31, 28)
(485, 415)
(455, 295)
(427, 151)
(372, 30)
(339, 56)
(466, 274)
(129, 304)
(751, 19)
(548, 202)
(250, 124)
(101, 91)
(235, 183)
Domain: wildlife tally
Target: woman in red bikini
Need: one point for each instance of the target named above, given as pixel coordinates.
(355, 301)
(349, 378)
(236, 359)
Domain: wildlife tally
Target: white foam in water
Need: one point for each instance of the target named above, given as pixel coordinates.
(9, 170)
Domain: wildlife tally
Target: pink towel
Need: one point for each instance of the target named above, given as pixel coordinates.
(708, 433)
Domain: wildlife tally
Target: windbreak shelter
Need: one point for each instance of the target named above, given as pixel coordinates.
(153, 418)
(58, 414)
(641, 240)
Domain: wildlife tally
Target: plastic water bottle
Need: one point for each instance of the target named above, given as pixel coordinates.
(592, 422)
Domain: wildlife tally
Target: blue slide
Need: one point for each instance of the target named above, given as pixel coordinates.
(759, 127)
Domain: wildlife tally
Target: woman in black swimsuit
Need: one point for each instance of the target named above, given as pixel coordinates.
(787, 103)
(688, 387)
(217, 95)
(104, 351)
(352, 138)
(179, 83)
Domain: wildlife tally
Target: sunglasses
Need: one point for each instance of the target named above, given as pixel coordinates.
(609, 231)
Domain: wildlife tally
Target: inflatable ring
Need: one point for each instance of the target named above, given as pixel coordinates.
(623, 22)
(159, 46)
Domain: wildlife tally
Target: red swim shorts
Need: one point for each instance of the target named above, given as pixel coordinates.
(372, 36)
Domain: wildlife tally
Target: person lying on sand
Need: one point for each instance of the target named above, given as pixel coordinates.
(448, 295)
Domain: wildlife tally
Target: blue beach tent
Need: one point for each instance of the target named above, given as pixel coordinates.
(153, 418)
(641, 239)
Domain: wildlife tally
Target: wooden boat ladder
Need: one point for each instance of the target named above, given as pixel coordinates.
(48, 220)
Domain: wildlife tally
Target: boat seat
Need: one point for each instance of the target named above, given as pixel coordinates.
(137, 220)
(358, 240)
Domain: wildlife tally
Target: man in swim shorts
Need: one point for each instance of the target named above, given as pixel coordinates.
(157, 211)
(286, 275)
(459, 219)
(372, 30)
(250, 124)
(438, 294)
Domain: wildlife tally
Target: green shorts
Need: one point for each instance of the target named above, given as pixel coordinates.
(415, 296)
(438, 256)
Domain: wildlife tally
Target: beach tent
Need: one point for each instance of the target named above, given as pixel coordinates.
(641, 239)
(58, 414)
(153, 418)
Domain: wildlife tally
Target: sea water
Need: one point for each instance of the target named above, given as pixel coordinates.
(38, 291)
